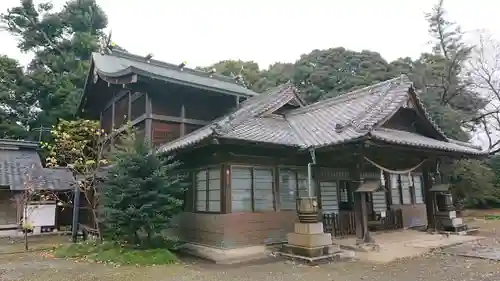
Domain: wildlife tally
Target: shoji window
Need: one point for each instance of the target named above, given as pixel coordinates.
(288, 189)
(208, 190)
(252, 189)
(293, 184)
(329, 197)
(405, 189)
(395, 195)
(417, 183)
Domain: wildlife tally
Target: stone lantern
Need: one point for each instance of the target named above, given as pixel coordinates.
(307, 209)
(308, 241)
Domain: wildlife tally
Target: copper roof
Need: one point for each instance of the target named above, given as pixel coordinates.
(345, 118)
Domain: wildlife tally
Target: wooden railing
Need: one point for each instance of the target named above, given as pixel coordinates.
(344, 223)
(340, 225)
(393, 220)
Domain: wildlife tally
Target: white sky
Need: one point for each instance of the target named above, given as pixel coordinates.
(202, 32)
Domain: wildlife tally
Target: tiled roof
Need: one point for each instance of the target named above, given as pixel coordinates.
(120, 63)
(346, 118)
(248, 121)
(18, 167)
(411, 139)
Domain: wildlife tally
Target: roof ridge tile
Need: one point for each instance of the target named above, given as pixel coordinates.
(138, 58)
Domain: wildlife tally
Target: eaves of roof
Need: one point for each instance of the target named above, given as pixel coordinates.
(346, 118)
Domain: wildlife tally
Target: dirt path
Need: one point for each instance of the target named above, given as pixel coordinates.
(430, 268)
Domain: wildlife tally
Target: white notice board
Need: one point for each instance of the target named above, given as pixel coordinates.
(42, 215)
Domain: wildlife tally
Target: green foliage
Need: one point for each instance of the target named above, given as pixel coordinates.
(438, 77)
(114, 253)
(492, 217)
(77, 144)
(248, 69)
(472, 183)
(15, 109)
(141, 194)
(62, 42)
(328, 73)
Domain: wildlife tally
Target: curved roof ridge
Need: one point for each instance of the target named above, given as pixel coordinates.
(159, 63)
(349, 95)
(427, 115)
(251, 108)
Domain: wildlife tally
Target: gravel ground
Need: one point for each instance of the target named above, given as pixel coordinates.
(431, 267)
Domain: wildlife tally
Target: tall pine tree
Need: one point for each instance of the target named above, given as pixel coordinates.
(142, 193)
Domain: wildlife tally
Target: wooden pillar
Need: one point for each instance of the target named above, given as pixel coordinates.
(113, 136)
(113, 112)
(225, 188)
(360, 207)
(183, 124)
(129, 106)
(429, 196)
(148, 126)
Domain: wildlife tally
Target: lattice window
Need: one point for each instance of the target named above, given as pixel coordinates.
(252, 189)
(208, 190)
(417, 184)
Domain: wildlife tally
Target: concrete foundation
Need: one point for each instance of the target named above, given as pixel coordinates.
(226, 256)
(309, 242)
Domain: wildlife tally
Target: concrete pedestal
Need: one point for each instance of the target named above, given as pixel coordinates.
(309, 242)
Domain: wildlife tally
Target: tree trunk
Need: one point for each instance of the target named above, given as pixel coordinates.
(97, 224)
(25, 239)
(137, 238)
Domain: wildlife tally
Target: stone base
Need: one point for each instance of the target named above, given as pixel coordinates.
(309, 240)
(310, 252)
(308, 228)
(226, 256)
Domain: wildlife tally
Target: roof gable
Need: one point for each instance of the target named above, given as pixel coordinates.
(252, 112)
(117, 64)
(118, 67)
(347, 118)
(369, 107)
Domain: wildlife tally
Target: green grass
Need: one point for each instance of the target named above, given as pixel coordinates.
(492, 217)
(113, 253)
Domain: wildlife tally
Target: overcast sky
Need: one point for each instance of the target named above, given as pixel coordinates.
(202, 32)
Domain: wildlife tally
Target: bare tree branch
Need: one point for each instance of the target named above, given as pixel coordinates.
(484, 70)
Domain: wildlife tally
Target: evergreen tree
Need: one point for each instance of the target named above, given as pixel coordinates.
(141, 194)
(62, 42)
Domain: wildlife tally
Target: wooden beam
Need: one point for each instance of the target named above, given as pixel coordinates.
(127, 79)
(178, 119)
(136, 95)
(161, 83)
(116, 97)
(132, 123)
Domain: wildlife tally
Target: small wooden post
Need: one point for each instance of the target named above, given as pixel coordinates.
(76, 209)
(360, 208)
(429, 197)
